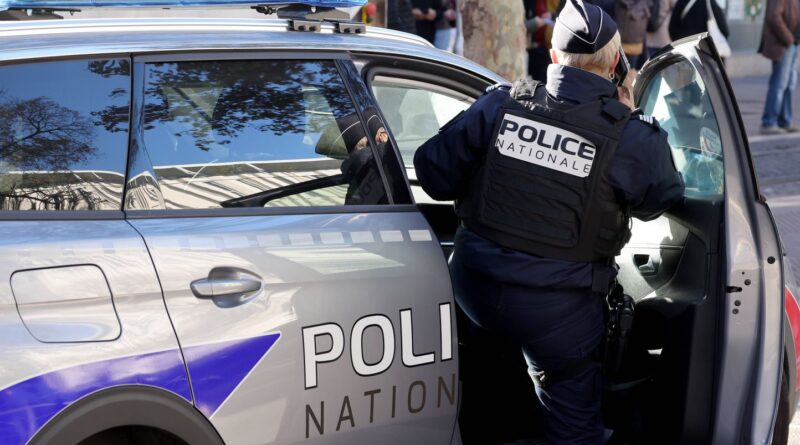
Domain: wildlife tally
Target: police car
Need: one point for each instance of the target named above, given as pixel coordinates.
(212, 234)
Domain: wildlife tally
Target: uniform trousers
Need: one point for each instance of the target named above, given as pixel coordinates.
(556, 328)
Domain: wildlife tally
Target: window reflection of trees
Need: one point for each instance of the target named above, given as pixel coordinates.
(227, 97)
(45, 144)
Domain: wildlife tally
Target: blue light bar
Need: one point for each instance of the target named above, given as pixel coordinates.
(62, 4)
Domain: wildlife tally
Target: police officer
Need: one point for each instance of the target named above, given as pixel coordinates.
(545, 179)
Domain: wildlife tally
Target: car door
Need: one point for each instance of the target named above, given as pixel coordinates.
(707, 275)
(80, 306)
(417, 98)
(310, 298)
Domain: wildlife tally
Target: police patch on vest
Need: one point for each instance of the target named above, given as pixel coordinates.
(545, 145)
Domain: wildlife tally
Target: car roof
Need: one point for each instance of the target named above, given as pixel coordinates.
(48, 39)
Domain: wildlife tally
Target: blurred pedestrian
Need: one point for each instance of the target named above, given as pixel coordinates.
(658, 28)
(400, 17)
(632, 17)
(427, 13)
(538, 18)
(690, 17)
(446, 27)
(494, 35)
(779, 40)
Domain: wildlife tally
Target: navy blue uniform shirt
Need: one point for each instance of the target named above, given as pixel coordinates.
(642, 174)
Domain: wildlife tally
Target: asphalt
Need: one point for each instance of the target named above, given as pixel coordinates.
(777, 163)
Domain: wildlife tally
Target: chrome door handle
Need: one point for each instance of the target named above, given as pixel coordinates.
(220, 287)
(228, 286)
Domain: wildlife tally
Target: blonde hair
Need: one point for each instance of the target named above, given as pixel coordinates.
(601, 60)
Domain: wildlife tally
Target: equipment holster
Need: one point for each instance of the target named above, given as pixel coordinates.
(620, 312)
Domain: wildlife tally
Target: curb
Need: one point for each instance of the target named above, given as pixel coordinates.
(761, 145)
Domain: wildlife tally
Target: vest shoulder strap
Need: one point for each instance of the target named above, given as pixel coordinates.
(616, 109)
(525, 89)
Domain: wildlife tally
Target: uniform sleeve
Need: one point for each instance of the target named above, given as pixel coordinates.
(446, 162)
(643, 172)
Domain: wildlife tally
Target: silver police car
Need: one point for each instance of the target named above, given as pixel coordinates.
(212, 233)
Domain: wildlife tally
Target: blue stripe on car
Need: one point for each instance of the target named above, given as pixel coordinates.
(28, 405)
(216, 370)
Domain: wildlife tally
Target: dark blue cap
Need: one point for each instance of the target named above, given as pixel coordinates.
(582, 28)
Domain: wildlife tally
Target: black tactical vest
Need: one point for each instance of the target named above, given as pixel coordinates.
(543, 187)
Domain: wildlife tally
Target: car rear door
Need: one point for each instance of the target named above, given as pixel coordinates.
(713, 297)
(81, 310)
(309, 296)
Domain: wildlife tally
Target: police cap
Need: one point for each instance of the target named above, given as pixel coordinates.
(582, 28)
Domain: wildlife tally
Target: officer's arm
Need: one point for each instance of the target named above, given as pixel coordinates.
(446, 162)
(643, 172)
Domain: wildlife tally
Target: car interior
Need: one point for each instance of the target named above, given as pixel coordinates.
(664, 390)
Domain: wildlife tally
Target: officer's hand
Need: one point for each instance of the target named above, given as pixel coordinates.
(625, 96)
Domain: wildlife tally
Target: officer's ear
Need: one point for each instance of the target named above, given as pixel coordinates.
(554, 56)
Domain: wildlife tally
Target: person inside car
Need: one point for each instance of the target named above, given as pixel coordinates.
(359, 169)
(545, 179)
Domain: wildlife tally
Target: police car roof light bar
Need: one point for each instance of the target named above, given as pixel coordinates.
(61, 5)
(305, 17)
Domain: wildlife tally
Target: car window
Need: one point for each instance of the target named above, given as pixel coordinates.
(415, 111)
(677, 97)
(64, 135)
(259, 133)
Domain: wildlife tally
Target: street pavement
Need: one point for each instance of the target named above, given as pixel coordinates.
(777, 164)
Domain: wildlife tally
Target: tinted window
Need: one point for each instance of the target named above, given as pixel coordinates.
(678, 98)
(63, 135)
(257, 133)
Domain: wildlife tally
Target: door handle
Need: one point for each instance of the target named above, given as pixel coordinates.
(228, 286)
(646, 264)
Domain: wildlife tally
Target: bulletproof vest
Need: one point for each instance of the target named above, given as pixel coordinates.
(543, 187)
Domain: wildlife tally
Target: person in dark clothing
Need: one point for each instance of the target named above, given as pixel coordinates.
(359, 168)
(536, 19)
(427, 13)
(446, 26)
(779, 40)
(545, 178)
(690, 17)
(400, 17)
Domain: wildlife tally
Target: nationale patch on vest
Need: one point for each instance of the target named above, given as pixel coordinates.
(545, 145)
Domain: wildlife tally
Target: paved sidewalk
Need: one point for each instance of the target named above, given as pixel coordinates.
(750, 93)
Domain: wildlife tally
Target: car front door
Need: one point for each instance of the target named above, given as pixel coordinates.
(310, 297)
(708, 275)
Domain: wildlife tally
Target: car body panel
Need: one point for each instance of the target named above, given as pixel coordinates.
(317, 270)
(141, 36)
(39, 379)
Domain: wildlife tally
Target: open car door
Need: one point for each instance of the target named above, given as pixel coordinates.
(707, 276)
